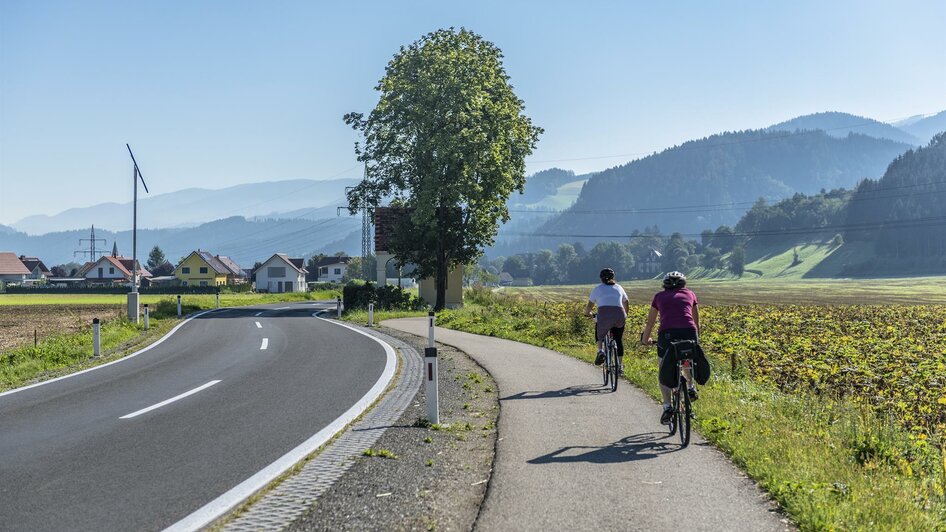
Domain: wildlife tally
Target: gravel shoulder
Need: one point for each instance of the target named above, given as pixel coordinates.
(421, 477)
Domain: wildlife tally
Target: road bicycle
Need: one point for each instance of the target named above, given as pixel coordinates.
(612, 367)
(682, 351)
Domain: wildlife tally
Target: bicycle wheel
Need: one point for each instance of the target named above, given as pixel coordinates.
(604, 370)
(613, 362)
(685, 415)
(675, 406)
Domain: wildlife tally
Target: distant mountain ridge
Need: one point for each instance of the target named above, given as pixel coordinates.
(841, 124)
(926, 128)
(195, 206)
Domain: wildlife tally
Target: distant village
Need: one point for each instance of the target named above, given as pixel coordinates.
(201, 268)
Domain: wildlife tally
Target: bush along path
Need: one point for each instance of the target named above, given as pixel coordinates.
(807, 413)
(573, 456)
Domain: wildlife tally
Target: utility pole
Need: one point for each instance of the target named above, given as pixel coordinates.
(92, 241)
(133, 308)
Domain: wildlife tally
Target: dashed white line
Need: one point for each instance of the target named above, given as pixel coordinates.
(265, 344)
(283, 308)
(258, 326)
(257, 314)
(169, 401)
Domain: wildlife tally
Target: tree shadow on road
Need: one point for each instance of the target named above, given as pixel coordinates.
(571, 391)
(632, 448)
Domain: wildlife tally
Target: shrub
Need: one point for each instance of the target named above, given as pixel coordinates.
(357, 295)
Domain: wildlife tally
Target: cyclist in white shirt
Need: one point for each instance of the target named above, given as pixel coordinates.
(612, 304)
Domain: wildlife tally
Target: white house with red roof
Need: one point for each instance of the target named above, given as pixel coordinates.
(281, 274)
(12, 269)
(111, 269)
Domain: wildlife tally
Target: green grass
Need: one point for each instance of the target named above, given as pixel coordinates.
(908, 291)
(199, 300)
(831, 464)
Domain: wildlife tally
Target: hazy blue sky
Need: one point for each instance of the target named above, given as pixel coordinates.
(219, 93)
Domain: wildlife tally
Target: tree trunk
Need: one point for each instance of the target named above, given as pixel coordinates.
(441, 283)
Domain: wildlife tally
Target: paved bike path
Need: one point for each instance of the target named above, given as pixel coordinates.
(571, 455)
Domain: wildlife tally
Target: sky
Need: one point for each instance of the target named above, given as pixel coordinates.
(217, 93)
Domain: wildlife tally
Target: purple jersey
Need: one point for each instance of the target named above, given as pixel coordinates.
(676, 308)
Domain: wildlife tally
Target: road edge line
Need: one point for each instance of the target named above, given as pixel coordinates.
(233, 497)
(122, 359)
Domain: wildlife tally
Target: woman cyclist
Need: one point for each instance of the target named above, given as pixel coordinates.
(612, 304)
(679, 320)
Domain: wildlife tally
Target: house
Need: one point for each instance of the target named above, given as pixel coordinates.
(111, 269)
(202, 268)
(505, 279)
(650, 263)
(236, 275)
(38, 271)
(12, 269)
(332, 269)
(280, 273)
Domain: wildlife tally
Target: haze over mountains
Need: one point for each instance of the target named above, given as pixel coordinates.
(729, 170)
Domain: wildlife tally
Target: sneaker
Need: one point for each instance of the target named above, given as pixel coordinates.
(665, 417)
(600, 358)
(693, 394)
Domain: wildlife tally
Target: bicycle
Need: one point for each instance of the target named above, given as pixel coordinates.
(612, 367)
(682, 409)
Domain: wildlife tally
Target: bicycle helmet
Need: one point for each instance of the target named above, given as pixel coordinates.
(674, 280)
(606, 275)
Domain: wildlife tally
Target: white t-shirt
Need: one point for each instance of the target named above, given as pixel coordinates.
(608, 295)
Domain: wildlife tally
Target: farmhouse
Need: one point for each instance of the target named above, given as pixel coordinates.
(332, 269)
(281, 274)
(12, 269)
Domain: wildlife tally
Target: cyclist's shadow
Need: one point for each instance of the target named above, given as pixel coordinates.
(632, 448)
(571, 391)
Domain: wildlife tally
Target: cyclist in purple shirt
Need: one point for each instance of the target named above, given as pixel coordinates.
(679, 320)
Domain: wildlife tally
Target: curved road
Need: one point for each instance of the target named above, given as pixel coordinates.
(143, 443)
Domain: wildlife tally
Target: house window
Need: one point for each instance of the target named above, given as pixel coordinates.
(203, 269)
(338, 271)
(100, 272)
(324, 270)
(185, 270)
(276, 271)
(111, 271)
(203, 283)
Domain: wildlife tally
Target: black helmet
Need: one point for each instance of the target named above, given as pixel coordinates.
(606, 275)
(675, 280)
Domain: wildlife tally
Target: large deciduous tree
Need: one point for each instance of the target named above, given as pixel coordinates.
(447, 140)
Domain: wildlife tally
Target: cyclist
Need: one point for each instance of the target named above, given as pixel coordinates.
(679, 320)
(612, 304)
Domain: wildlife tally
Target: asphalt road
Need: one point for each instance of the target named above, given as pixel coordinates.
(86, 453)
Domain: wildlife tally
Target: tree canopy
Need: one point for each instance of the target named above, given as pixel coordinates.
(447, 140)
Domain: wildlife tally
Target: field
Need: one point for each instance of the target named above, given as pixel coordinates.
(837, 410)
(899, 291)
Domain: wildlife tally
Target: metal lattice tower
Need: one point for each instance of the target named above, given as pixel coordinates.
(92, 252)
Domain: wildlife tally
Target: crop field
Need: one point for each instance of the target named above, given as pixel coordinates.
(18, 325)
(899, 291)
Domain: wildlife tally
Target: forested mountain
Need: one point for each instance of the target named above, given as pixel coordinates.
(243, 240)
(800, 218)
(841, 124)
(904, 213)
(542, 184)
(926, 128)
(723, 175)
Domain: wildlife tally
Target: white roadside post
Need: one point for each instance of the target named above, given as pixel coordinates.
(96, 338)
(146, 316)
(430, 362)
(178, 307)
(370, 314)
(338, 308)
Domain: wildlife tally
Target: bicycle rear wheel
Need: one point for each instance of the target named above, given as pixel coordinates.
(604, 370)
(675, 405)
(613, 364)
(685, 415)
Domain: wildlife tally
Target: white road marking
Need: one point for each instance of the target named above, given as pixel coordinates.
(169, 401)
(258, 326)
(265, 344)
(257, 314)
(229, 500)
(283, 308)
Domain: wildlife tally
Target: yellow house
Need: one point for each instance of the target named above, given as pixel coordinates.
(201, 268)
